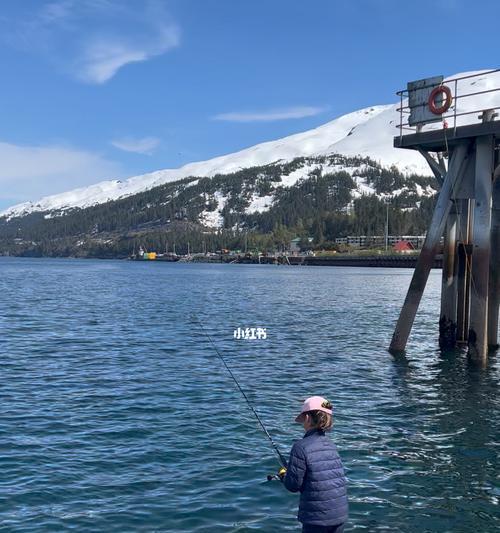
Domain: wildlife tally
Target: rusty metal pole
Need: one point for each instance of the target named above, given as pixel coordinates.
(494, 288)
(448, 316)
(463, 271)
(481, 240)
(425, 261)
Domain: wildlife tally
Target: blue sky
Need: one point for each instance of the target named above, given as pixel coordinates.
(97, 89)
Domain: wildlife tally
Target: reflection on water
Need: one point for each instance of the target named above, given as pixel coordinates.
(117, 415)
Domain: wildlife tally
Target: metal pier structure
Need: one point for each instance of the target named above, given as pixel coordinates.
(441, 120)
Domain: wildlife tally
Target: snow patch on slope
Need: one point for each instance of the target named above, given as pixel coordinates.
(259, 204)
(214, 219)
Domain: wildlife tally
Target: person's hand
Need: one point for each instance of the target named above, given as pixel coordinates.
(282, 473)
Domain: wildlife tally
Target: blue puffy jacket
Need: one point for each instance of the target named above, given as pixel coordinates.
(315, 469)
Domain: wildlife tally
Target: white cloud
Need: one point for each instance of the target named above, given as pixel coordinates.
(146, 145)
(93, 39)
(29, 172)
(271, 114)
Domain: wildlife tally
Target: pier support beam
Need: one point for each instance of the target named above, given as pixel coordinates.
(456, 170)
(494, 289)
(438, 169)
(481, 239)
(448, 316)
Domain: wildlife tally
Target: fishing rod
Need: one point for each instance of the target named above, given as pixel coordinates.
(281, 458)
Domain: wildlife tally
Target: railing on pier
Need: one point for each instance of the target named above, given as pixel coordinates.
(460, 107)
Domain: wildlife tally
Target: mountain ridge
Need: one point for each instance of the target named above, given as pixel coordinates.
(367, 132)
(318, 141)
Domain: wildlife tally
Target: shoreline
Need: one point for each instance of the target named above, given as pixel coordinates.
(382, 261)
(371, 261)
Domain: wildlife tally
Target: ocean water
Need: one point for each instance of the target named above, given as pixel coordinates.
(116, 414)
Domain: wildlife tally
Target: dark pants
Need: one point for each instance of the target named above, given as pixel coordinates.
(309, 528)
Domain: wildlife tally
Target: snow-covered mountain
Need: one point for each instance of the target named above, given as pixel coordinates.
(368, 132)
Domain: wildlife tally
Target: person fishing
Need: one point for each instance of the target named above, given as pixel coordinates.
(315, 470)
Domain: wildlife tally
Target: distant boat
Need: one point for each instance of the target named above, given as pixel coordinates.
(153, 256)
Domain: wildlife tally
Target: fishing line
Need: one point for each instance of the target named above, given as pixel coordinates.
(281, 458)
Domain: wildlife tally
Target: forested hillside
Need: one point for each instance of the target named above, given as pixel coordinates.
(259, 208)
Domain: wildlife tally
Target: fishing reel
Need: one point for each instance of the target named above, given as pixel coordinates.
(279, 476)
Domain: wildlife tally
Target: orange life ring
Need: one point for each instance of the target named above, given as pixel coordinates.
(448, 99)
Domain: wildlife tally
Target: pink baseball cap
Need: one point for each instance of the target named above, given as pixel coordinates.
(315, 403)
